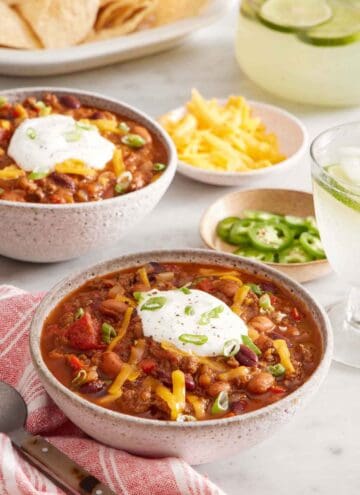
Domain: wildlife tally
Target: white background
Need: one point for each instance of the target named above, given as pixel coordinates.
(319, 452)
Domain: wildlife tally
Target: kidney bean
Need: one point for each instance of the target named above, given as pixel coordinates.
(63, 180)
(260, 383)
(239, 406)
(246, 356)
(93, 387)
(164, 377)
(98, 115)
(189, 382)
(70, 101)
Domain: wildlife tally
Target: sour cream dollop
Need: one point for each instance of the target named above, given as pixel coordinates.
(184, 317)
(41, 143)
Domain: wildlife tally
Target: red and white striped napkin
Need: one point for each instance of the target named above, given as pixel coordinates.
(124, 473)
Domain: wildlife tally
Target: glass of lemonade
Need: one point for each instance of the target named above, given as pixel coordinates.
(336, 184)
(302, 50)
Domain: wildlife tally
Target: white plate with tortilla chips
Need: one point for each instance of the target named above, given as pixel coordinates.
(47, 37)
(235, 141)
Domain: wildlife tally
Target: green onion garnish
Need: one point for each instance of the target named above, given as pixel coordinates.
(44, 109)
(277, 369)
(185, 290)
(221, 403)
(191, 338)
(137, 295)
(79, 313)
(250, 344)
(189, 310)
(213, 313)
(84, 127)
(124, 127)
(231, 347)
(159, 167)
(154, 303)
(108, 333)
(31, 133)
(133, 140)
(80, 378)
(265, 303)
(3, 101)
(37, 175)
(256, 289)
(120, 188)
(73, 136)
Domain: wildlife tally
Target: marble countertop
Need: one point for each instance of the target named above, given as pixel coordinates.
(319, 452)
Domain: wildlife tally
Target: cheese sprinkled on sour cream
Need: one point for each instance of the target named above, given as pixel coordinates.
(41, 143)
(191, 320)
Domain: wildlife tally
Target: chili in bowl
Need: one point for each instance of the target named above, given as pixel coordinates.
(76, 170)
(178, 353)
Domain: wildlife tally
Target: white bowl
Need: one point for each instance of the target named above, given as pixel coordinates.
(197, 442)
(48, 233)
(293, 141)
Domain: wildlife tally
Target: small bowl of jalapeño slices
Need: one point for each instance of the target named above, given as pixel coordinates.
(273, 226)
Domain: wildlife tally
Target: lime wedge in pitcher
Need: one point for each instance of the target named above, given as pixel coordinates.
(343, 27)
(295, 14)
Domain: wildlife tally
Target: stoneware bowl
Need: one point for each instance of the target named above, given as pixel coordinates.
(281, 201)
(293, 141)
(47, 233)
(197, 442)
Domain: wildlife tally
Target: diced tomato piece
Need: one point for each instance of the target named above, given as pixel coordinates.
(273, 299)
(84, 335)
(148, 365)
(75, 363)
(295, 314)
(276, 389)
(206, 285)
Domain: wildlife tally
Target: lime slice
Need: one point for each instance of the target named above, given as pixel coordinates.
(295, 14)
(343, 28)
(250, 8)
(341, 187)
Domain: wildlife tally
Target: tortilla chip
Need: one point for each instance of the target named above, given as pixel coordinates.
(173, 10)
(14, 32)
(60, 23)
(120, 17)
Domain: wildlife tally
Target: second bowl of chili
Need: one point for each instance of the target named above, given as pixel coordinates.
(77, 169)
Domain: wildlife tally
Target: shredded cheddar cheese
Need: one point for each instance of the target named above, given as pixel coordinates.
(123, 329)
(118, 162)
(284, 354)
(144, 277)
(76, 167)
(11, 172)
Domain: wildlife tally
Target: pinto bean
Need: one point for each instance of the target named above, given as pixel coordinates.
(227, 287)
(215, 388)
(111, 307)
(110, 364)
(144, 133)
(260, 383)
(70, 101)
(262, 323)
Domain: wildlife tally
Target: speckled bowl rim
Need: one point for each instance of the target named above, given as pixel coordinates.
(136, 259)
(160, 133)
(260, 189)
(257, 172)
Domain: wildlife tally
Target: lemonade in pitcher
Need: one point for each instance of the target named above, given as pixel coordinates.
(303, 50)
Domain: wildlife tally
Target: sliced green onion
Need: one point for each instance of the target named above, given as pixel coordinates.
(231, 347)
(213, 313)
(221, 403)
(277, 369)
(72, 136)
(250, 344)
(265, 303)
(124, 127)
(189, 310)
(120, 188)
(159, 167)
(80, 378)
(191, 338)
(185, 290)
(31, 133)
(108, 333)
(3, 101)
(256, 289)
(84, 127)
(133, 140)
(154, 303)
(137, 295)
(79, 313)
(2, 190)
(37, 175)
(44, 109)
